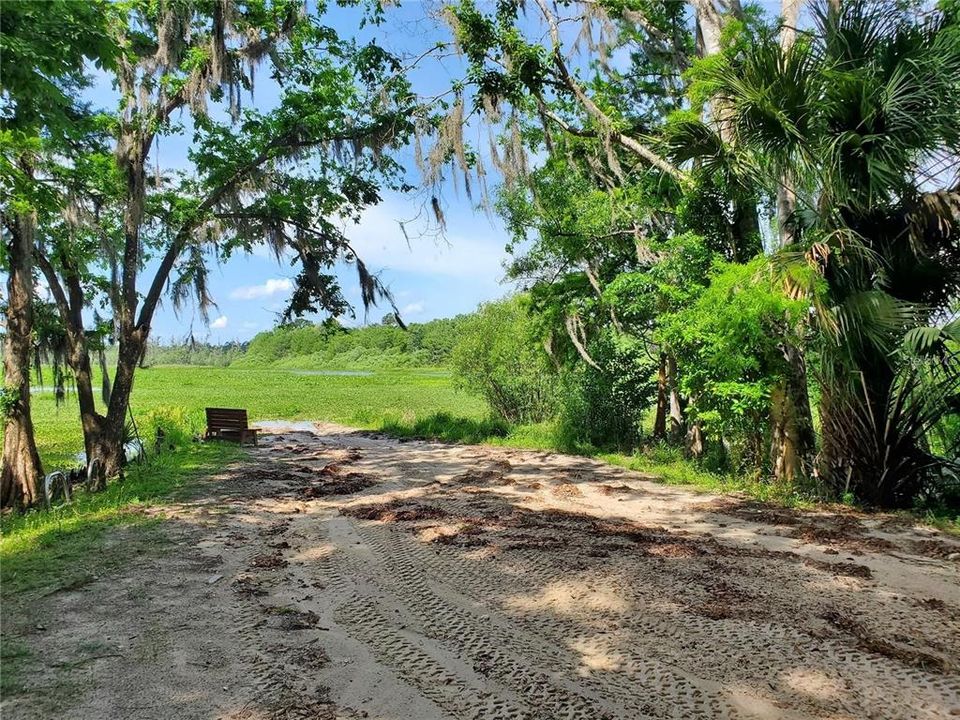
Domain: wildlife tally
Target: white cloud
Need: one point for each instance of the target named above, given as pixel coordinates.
(219, 324)
(271, 287)
(412, 309)
(472, 248)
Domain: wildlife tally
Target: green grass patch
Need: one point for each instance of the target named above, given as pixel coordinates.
(942, 519)
(62, 548)
(681, 471)
(15, 660)
(364, 401)
(446, 427)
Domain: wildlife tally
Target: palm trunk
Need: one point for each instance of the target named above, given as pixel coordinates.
(869, 447)
(786, 206)
(20, 471)
(710, 23)
(792, 440)
(786, 192)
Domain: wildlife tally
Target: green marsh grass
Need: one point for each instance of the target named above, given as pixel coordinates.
(400, 397)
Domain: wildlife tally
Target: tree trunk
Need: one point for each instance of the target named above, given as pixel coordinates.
(746, 231)
(790, 13)
(786, 206)
(90, 420)
(710, 23)
(786, 192)
(108, 449)
(102, 435)
(792, 440)
(21, 471)
(695, 441)
(677, 425)
(105, 376)
(94, 424)
(106, 455)
(70, 301)
(709, 27)
(660, 420)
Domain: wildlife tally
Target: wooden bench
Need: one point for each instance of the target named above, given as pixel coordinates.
(229, 424)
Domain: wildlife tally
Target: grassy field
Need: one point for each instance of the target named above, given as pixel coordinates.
(401, 397)
(411, 402)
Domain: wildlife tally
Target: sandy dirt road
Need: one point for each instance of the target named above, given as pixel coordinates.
(344, 575)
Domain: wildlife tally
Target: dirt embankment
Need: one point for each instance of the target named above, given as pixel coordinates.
(343, 575)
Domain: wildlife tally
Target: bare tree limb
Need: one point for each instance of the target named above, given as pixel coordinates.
(574, 330)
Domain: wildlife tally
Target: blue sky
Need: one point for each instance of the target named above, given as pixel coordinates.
(430, 276)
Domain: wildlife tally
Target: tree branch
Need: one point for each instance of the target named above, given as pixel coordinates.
(572, 324)
(287, 143)
(625, 141)
(53, 282)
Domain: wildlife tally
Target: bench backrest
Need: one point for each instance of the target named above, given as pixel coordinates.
(226, 419)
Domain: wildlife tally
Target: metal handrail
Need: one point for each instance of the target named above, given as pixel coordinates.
(48, 486)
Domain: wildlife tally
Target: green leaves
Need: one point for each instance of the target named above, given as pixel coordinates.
(730, 341)
(9, 397)
(934, 342)
(44, 46)
(475, 32)
(499, 358)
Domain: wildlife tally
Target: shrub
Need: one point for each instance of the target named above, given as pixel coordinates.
(178, 425)
(730, 346)
(499, 358)
(605, 408)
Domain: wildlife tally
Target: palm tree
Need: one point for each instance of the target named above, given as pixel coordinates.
(863, 112)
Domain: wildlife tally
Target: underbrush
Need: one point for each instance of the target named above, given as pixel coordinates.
(669, 465)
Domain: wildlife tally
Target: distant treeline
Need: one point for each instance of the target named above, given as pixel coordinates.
(329, 345)
(194, 353)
